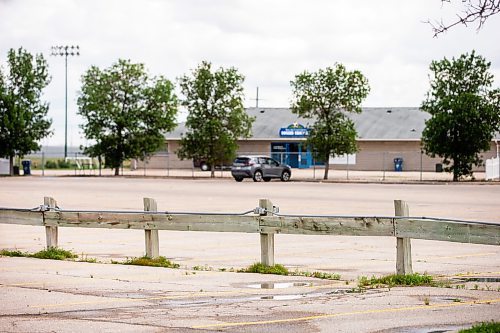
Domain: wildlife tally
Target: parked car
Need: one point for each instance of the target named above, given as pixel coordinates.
(259, 168)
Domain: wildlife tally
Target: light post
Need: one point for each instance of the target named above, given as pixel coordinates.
(65, 51)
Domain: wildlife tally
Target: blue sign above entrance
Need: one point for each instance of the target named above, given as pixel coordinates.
(294, 131)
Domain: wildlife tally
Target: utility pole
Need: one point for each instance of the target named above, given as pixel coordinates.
(256, 98)
(65, 51)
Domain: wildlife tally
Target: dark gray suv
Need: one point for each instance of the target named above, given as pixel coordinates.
(259, 168)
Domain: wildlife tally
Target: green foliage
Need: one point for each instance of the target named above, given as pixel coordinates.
(265, 269)
(465, 112)
(51, 164)
(54, 253)
(147, 261)
(50, 253)
(327, 96)
(14, 253)
(126, 113)
(62, 164)
(58, 164)
(23, 114)
(217, 118)
(492, 327)
(396, 280)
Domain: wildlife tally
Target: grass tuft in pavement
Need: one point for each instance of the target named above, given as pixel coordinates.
(147, 261)
(265, 269)
(282, 270)
(415, 279)
(14, 253)
(50, 253)
(54, 253)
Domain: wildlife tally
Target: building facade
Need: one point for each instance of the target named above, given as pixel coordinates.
(384, 135)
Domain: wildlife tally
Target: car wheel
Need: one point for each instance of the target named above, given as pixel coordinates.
(257, 176)
(204, 166)
(267, 179)
(238, 179)
(285, 176)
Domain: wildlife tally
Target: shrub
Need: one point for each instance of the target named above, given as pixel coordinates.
(49, 164)
(63, 164)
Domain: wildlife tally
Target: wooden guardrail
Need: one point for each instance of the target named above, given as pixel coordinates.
(265, 220)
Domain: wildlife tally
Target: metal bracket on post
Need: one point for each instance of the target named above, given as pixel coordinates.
(50, 231)
(266, 239)
(403, 245)
(152, 238)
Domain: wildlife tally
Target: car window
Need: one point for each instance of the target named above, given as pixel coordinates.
(273, 162)
(242, 160)
(262, 160)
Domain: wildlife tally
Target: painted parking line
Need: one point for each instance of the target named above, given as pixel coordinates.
(332, 315)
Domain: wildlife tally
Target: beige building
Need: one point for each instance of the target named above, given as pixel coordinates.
(384, 134)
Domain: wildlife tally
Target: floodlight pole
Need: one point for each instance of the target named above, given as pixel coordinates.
(65, 51)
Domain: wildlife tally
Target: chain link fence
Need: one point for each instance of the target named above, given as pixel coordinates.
(363, 166)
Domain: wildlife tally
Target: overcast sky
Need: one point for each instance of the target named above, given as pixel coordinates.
(268, 41)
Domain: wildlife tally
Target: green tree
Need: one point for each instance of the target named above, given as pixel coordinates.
(217, 118)
(465, 112)
(23, 114)
(327, 96)
(126, 113)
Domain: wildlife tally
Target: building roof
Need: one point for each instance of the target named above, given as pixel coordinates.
(402, 123)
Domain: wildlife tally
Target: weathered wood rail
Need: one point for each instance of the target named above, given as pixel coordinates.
(265, 222)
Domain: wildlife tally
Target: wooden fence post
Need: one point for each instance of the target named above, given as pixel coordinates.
(403, 245)
(152, 239)
(267, 238)
(50, 231)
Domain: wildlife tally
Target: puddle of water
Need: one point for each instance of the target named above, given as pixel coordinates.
(278, 285)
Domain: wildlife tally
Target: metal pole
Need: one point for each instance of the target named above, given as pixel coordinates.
(66, 107)
(347, 166)
(43, 163)
(421, 157)
(383, 166)
(257, 98)
(314, 168)
(168, 164)
(65, 51)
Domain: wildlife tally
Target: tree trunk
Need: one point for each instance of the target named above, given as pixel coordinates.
(455, 171)
(11, 165)
(212, 171)
(117, 171)
(327, 165)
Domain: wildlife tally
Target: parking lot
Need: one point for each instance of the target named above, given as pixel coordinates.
(204, 294)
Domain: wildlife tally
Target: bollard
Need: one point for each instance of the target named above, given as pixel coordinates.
(152, 239)
(403, 245)
(50, 231)
(267, 238)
